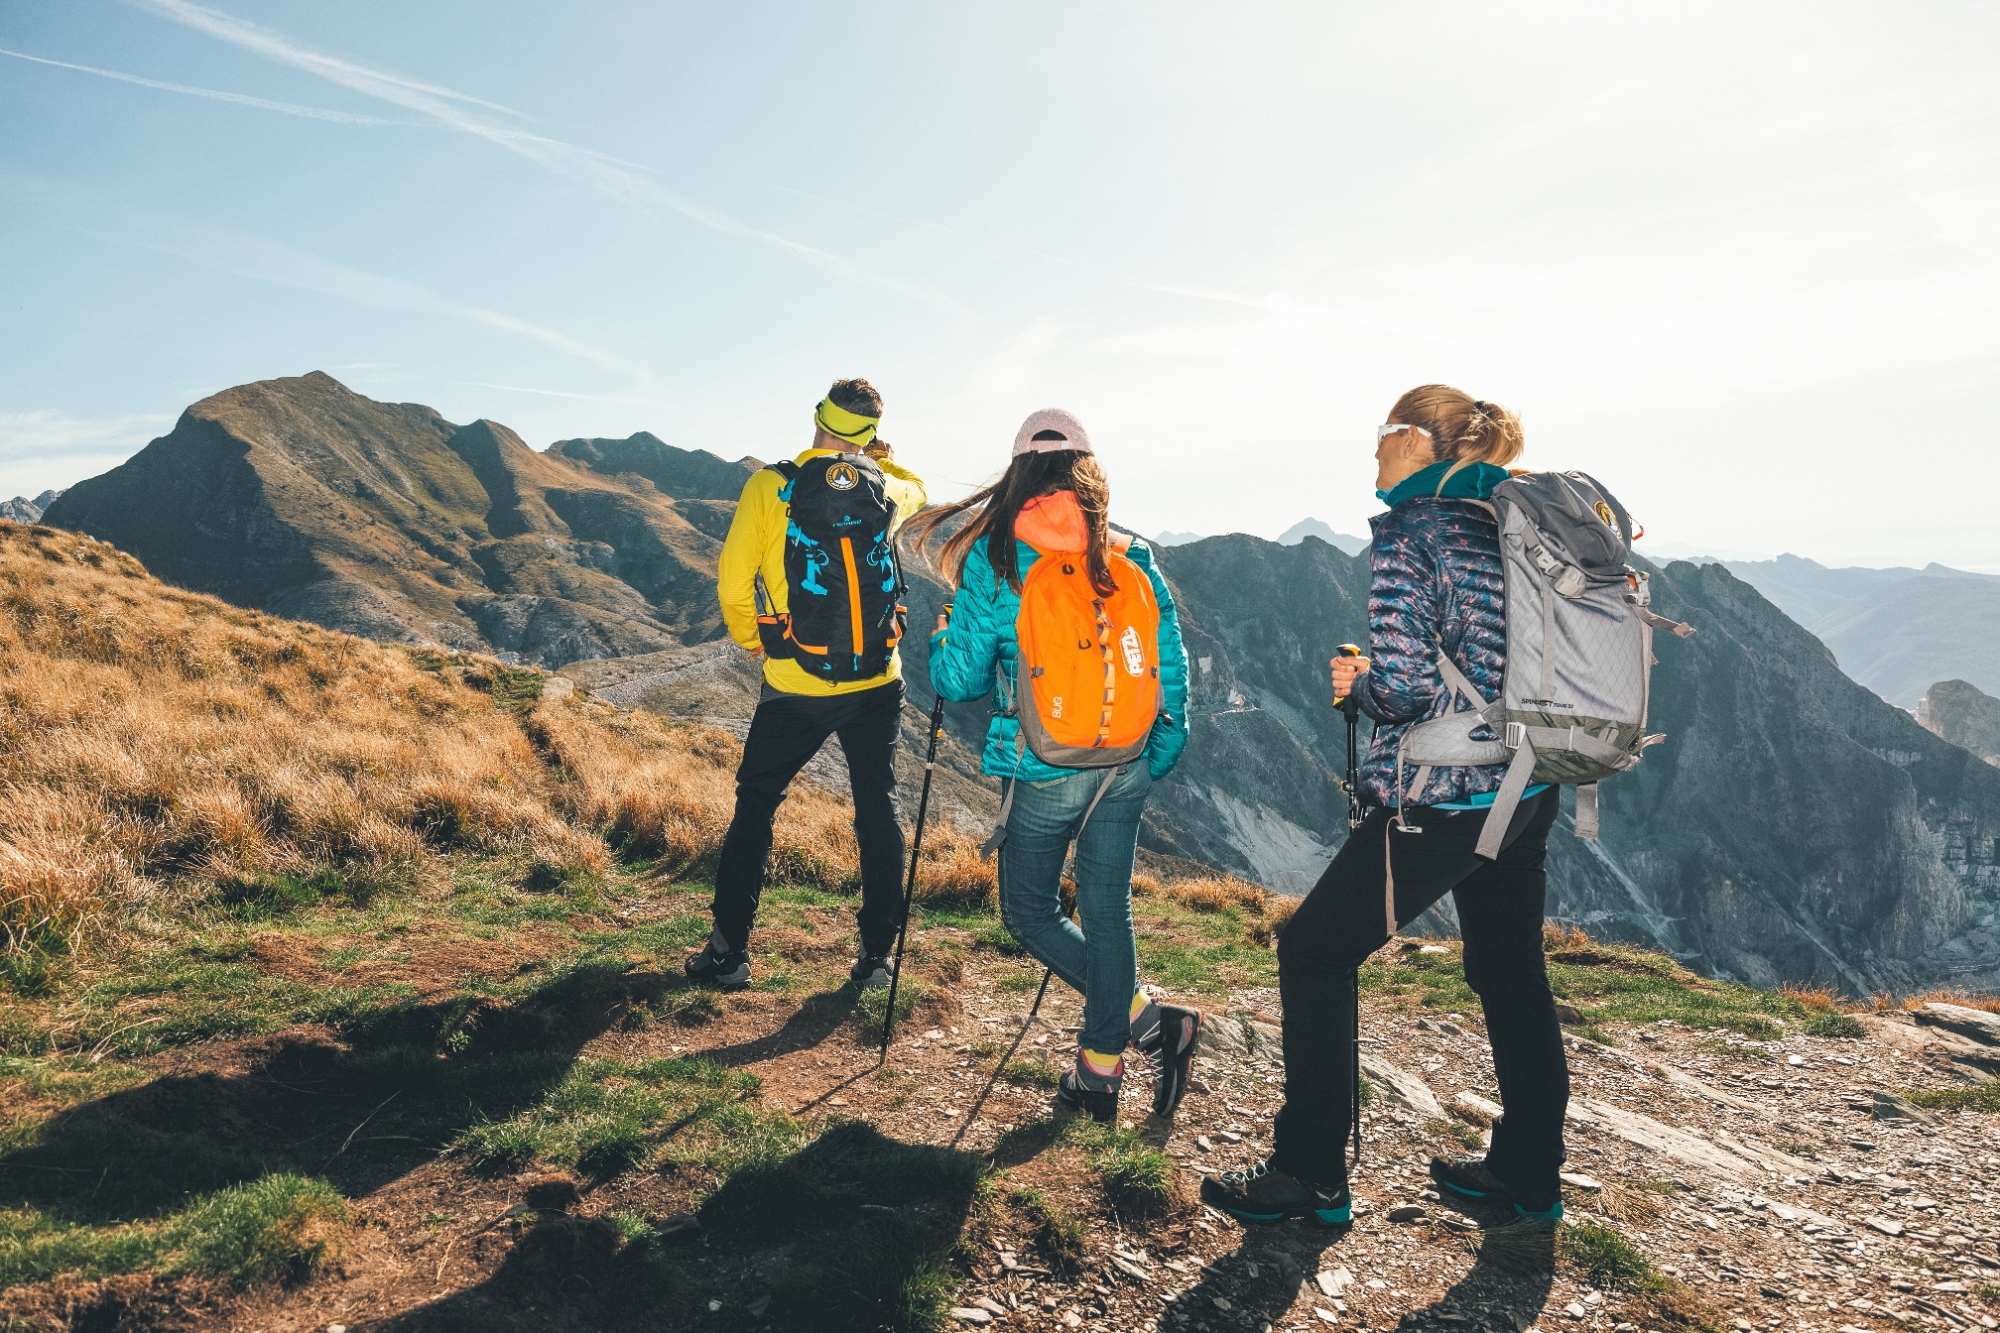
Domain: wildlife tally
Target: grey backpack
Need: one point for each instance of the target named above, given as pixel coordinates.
(1579, 657)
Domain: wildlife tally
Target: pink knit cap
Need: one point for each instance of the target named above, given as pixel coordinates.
(1069, 433)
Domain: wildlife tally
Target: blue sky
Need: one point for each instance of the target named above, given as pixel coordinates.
(1740, 261)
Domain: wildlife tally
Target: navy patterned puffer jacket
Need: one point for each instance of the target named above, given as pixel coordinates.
(1435, 577)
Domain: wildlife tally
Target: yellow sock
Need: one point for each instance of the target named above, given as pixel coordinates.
(1104, 1066)
(1139, 1003)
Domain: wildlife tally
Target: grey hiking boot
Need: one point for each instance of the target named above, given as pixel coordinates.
(1262, 1193)
(1097, 1094)
(873, 971)
(723, 968)
(1169, 1048)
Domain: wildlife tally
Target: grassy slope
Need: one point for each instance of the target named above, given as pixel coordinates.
(267, 886)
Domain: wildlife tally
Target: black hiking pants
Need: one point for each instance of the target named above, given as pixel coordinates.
(1345, 918)
(785, 733)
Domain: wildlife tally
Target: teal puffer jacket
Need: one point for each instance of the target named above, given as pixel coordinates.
(981, 637)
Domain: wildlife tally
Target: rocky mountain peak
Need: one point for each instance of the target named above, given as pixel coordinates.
(1965, 715)
(302, 497)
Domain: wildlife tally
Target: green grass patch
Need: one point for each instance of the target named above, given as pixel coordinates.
(282, 1228)
(871, 1007)
(1844, 1026)
(1606, 1259)
(1139, 1180)
(1208, 969)
(1057, 1234)
(1031, 1073)
(1974, 1097)
(606, 1115)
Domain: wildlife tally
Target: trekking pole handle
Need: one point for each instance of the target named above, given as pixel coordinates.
(1347, 703)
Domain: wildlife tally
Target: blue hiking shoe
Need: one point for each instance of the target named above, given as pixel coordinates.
(1470, 1178)
(1261, 1193)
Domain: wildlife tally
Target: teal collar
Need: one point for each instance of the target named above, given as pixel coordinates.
(1475, 481)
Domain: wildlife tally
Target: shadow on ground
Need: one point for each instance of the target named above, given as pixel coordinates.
(359, 1112)
(1505, 1289)
(852, 1233)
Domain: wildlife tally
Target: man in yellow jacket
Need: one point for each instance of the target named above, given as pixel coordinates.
(830, 661)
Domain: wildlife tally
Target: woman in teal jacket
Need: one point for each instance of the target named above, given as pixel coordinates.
(1054, 497)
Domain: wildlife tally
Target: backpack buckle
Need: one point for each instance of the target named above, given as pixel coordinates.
(1514, 735)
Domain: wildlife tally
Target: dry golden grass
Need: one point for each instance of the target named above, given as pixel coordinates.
(1967, 999)
(1264, 913)
(154, 741)
(1817, 999)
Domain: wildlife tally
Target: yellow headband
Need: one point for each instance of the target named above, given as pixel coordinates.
(842, 424)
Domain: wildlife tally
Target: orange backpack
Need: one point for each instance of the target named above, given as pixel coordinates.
(1088, 673)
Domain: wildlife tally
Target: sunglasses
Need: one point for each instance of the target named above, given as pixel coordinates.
(1384, 432)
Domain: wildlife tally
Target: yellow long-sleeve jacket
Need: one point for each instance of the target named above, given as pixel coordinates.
(756, 545)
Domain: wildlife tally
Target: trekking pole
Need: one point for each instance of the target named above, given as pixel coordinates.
(910, 885)
(1350, 707)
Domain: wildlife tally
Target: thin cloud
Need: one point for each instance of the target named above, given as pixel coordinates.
(600, 172)
(213, 94)
(46, 433)
(265, 260)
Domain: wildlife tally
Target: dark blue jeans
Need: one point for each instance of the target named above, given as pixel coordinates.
(1099, 959)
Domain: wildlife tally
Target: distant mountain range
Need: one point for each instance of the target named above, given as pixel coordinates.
(1292, 536)
(23, 510)
(1894, 630)
(1795, 826)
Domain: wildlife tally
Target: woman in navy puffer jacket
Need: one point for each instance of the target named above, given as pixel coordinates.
(1436, 585)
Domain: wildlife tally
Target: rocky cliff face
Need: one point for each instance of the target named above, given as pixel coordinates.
(303, 498)
(1964, 715)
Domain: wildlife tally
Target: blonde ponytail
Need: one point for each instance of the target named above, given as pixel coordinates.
(1464, 430)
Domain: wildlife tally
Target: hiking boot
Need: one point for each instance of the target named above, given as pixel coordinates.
(1471, 1178)
(1262, 1193)
(1083, 1089)
(872, 971)
(1169, 1049)
(722, 969)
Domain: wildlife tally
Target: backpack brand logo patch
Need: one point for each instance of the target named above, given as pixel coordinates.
(1605, 515)
(843, 477)
(1135, 651)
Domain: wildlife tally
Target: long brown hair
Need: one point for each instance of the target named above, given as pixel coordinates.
(995, 508)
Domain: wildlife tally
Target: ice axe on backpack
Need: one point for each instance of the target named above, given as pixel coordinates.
(910, 884)
(1350, 707)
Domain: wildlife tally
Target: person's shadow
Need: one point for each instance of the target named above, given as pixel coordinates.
(852, 1232)
(1507, 1285)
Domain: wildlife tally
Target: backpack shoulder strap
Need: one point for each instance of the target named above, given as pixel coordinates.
(787, 469)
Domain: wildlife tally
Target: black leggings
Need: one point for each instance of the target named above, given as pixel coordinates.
(1344, 919)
